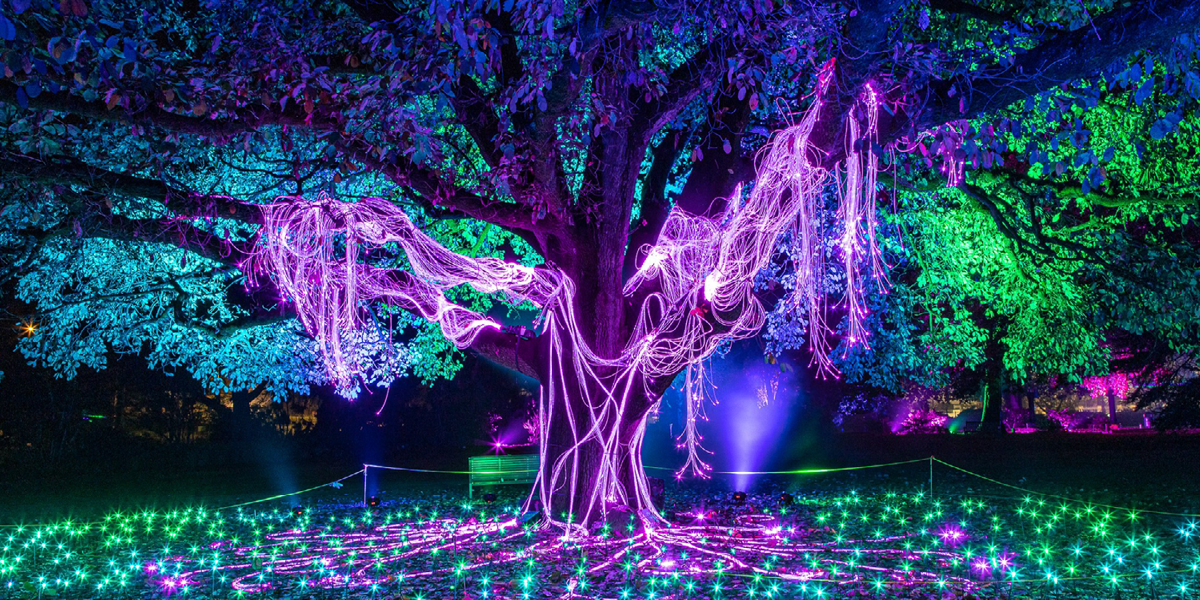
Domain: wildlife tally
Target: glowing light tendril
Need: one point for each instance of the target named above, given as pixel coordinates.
(752, 545)
(704, 268)
(694, 383)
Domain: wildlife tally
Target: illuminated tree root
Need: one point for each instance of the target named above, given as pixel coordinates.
(490, 556)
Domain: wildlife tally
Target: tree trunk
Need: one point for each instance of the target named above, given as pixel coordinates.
(992, 420)
(593, 418)
(240, 414)
(242, 418)
(590, 474)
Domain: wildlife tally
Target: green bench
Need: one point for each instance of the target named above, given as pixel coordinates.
(501, 470)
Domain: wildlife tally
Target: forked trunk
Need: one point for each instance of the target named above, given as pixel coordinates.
(593, 416)
(585, 479)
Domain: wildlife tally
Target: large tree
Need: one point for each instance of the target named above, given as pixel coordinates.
(580, 161)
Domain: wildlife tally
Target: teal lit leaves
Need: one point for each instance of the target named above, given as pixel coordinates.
(160, 301)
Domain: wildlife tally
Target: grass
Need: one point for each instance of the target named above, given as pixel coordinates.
(842, 536)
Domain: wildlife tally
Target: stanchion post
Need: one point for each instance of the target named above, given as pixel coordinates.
(365, 475)
(931, 478)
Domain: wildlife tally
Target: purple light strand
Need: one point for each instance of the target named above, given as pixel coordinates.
(704, 269)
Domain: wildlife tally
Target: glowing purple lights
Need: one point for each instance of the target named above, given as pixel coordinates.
(697, 281)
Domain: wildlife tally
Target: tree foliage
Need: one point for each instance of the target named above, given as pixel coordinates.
(138, 137)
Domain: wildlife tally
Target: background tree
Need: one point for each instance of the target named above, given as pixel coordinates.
(1059, 263)
(564, 137)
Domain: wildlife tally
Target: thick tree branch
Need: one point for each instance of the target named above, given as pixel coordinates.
(175, 232)
(509, 351)
(406, 291)
(1030, 238)
(698, 76)
(151, 115)
(438, 195)
(714, 176)
(473, 110)
(399, 169)
(860, 57)
(1069, 56)
(1070, 190)
(373, 11)
(655, 207)
(73, 172)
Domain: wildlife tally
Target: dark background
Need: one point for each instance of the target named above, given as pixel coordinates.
(64, 452)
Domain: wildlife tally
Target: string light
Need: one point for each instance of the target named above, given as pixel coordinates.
(28, 328)
(902, 543)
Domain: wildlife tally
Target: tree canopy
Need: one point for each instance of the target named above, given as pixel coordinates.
(1038, 187)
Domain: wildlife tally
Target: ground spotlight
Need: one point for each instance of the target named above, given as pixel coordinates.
(739, 497)
(373, 502)
(786, 499)
(489, 498)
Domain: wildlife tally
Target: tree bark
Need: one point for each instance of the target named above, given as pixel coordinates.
(992, 420)
(603, 480)
(593, 419)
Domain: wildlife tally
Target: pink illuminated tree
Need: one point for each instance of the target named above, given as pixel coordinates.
(652, 155)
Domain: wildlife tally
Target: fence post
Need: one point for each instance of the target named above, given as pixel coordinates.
(931, 478)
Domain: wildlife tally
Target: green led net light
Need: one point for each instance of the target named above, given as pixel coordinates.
(173, 542)
(905, 536)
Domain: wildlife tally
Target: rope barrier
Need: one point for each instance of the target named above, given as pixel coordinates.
(808, 471)
(815, 471)
(315, 487)
(238, 505)
(1058, 497)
